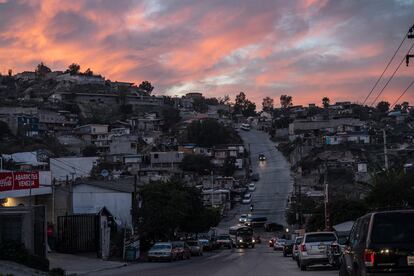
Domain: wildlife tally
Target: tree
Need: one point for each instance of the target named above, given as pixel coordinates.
(244, 106)
(171, 207)
(196, 163)
(90, 151)
(171, 117)
(200, 105)
(224, 100)
(397, 107)
(383, 106)
(405, 106)
(88, 72)
(73, 69)
(285, 101)
(210, 132)
(41, 70)
(325, 102)
(391, 189)
(267, 104)
(147, 86)
(10, 72)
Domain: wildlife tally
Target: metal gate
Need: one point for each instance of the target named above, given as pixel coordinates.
(78, 233)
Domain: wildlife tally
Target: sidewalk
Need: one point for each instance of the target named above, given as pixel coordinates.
(81, 264)
(11, 268)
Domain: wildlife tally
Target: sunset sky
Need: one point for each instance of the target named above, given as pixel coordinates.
(304, 48)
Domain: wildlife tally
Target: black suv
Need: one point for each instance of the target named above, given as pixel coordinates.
(380, 243)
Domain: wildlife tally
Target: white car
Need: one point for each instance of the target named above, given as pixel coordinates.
(243, 218)
(252, 187)
(247, 199)
(312, 250)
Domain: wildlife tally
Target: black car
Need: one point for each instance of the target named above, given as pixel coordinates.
(288, 248)
(262, 157)
(380, 243)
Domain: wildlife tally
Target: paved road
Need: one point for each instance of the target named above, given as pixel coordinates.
(260, 261)
(269, 199)
(275, 182)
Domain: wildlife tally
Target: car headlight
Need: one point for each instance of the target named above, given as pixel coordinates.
(240, 240)
(254, 240)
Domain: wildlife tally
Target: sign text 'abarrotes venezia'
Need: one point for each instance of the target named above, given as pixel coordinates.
(18, 181)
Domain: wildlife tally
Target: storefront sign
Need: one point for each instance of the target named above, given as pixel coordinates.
(18, 181)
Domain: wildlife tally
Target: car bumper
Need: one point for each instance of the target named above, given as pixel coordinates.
(313, 259)
(394, 272)
(160, 258)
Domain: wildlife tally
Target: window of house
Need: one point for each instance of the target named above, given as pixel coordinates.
(156, 156)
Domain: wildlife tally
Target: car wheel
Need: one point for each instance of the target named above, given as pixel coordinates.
(302, 267)
(343, 271)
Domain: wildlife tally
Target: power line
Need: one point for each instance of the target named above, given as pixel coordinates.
(402, 94)
(386, 67)
(390, 78)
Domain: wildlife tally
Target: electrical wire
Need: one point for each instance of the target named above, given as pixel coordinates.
(386, 67)
(402, 94)
(391, 77)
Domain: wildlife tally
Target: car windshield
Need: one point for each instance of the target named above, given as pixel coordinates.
(161, 247)
(326, 237)
(393, 228)
(299, 240)
(281, 241)
(192, 243)
(223, 237)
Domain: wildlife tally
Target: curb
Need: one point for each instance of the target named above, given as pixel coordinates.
(69, 273)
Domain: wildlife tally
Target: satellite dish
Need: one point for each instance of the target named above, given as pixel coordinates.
(104, 173)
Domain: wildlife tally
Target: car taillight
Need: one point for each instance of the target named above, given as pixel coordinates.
(302, 247)
(369, 257)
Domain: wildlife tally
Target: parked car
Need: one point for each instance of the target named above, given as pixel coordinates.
(295, 250)
(196, 247)
(262, 157)
(206, 244)
(279, 244)
(162, 251)
(255, 177)
(251, 187)
(380, 243)
(247, 198)
(224, 241)
(288, 248)
(312, 250)
(182, 250)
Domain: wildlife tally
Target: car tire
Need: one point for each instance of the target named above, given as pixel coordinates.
(343, 271)
(302, 267)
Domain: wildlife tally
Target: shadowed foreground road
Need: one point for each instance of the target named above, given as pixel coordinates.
(260, 261)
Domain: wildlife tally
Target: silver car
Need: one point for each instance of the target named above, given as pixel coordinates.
(196, 248)
(312, 250)
(162, 251)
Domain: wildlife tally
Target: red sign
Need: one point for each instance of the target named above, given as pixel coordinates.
(18, 180)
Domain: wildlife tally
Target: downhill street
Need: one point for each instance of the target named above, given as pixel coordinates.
(269, 200)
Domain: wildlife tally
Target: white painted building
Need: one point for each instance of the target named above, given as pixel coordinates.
(117, 199)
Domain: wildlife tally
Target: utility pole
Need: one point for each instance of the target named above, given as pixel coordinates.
(410, 35)
(134, 202)
(327, 211)
(384, 136)
(212, 189)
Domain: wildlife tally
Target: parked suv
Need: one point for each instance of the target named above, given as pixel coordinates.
(380, 243)
(312, 250)
(295, 251)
